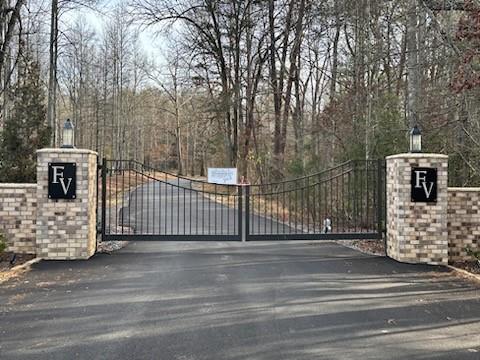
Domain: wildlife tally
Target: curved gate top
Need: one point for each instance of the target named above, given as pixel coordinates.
(142, 203)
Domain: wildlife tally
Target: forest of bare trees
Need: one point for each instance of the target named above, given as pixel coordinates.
(277, 88)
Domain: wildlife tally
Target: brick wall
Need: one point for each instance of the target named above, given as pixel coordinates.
(66, 229)
(416, 232)
(18, 211)
(463, 222)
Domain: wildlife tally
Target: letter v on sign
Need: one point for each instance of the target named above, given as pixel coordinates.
(428, 191)
(65, 188)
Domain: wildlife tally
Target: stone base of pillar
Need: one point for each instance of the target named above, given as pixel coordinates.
(416, 231)
(66, 228)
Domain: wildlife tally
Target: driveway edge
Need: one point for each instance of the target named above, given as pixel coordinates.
(465, 273)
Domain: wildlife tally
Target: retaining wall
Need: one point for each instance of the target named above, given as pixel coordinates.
(18, 215)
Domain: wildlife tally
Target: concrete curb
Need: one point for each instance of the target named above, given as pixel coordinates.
(464, 273)
(26, 264)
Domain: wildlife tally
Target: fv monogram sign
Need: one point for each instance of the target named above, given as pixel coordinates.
(62, 180)
(424, 185)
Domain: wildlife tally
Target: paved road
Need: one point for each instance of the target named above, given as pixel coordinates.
(171, 208)
(235, 301)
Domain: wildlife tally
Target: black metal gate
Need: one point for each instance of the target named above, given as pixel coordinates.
(344, 202)
(142, 203)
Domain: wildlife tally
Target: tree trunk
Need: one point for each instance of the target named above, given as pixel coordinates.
(52, 78)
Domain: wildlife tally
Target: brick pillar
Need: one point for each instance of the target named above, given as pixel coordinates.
(66, 228)
(416, 231)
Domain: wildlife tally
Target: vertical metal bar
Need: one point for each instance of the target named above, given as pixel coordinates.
(327, 198)
(255, 210)
(308, 204)
(159, 207)
(296, 206)
(141, 201)
(215, 205)
(184, 214)
(209, 213)
(116, 200)
(130, 189)
(247, 212)
(171, 208)
(343, 199)
(234, 217)
(221, 211)
(349, 201)
(367, 181)
(166, 204)
(314, 213)
(256, 219)
(123, 196)
(361, 198)
(147, 198)
(110, 205)
(271, 210)
(331, 202)
(203, 208)
(240, 213)
(337, 202)
(289, 212)
(320, 196)
(302, 205)
(104, 197)
(278, 213)
(265, 211)
(190, 208)
(283, 208)
(136, 196)
(197, 217)
(178, 206)
(154, 182)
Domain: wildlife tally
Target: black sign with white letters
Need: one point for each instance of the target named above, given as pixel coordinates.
(424, 185)
(62, 180)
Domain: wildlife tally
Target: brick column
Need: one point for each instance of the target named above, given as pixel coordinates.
(66, 229)
(416, 231)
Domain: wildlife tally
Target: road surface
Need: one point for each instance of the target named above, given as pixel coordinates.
(192, 301)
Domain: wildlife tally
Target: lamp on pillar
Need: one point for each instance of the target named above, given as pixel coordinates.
(415, 140)
(68, 135)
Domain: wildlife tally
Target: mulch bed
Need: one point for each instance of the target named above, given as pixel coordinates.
(6, 258)
(108, 247)
(373, 247)
(470, 266)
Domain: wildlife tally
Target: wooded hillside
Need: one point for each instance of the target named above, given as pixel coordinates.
(278, 88)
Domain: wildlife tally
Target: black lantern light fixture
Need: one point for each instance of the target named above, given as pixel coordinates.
(68, 135)
(415, 140)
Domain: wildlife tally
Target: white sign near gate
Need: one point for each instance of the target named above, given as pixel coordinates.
(224, 176)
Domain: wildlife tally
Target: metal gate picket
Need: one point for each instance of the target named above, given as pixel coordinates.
(344, 202)
(142, 203)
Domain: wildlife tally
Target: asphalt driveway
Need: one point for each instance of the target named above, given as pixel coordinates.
(238, 301)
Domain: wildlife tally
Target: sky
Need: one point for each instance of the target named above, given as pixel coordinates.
(154, 46)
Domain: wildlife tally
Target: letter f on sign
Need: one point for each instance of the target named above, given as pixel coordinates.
(419, 178)
(57, 174)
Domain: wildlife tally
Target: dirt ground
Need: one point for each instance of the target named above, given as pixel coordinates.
(6, 262)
